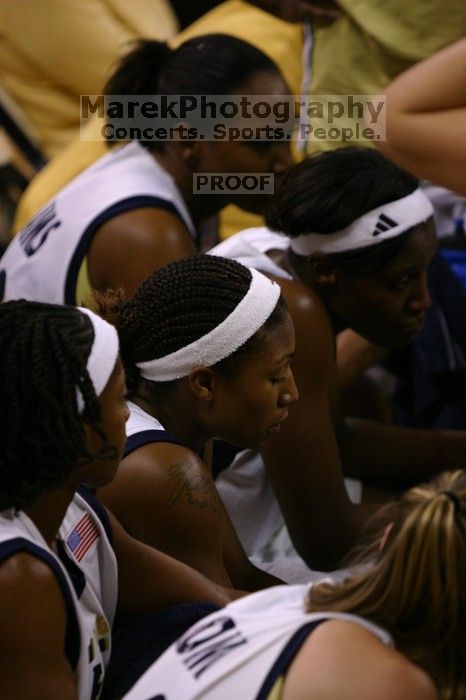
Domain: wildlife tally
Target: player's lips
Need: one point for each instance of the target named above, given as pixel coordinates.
(275, 429)
(415, 325)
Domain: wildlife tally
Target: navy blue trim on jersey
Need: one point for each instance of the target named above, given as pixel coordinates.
(124, 205)
(284, 660)
(145, 437)
(2, 284)
(74, 572)
(223, 455)
(98, 509)
(72, 634)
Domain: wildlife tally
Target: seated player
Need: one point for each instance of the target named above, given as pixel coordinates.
(206, 345)
(396, 630)
(66, 565)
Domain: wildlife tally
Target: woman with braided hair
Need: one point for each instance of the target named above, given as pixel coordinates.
(66, 565)
(395, 630)
(206, 344)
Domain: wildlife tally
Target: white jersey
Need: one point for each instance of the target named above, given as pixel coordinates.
(43, 262)
(250, 247)
(86, 571)
(240, 651)
(143, 429)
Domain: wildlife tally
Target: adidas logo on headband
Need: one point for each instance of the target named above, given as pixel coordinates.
(384, 223)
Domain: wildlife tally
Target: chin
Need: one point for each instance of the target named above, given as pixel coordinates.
(396, 342)
(242, 442)
(391, 341)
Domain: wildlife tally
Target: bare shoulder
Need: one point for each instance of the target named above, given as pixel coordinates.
(25, 578)
(33, 614)
(24, 572)
(182, 474)
(164, 479)
(128, 247)
(344, 659)
(140, 224)
(155, 473)
(164, 496)
(314, 361)
(158, 455)
(302, 300)
(309, 314)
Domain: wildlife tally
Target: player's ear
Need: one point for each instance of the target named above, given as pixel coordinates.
(321, 269)
(201, 383)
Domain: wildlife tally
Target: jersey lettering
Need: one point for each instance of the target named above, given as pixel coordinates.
(208, 644)
(35, 233)
(100, 639)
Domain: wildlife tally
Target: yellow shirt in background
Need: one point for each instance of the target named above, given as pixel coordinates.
(375, 40)
(53, 51)
(360, 53)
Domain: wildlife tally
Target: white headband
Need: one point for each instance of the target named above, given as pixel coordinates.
(103, 356)
(251, 313)
(378, 225)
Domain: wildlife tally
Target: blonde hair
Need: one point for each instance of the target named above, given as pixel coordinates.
(416, 587)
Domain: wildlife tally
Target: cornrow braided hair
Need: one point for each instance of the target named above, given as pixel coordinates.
(175, 306)
(43, 354)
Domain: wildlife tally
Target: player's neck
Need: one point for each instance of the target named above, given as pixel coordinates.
(48, 510)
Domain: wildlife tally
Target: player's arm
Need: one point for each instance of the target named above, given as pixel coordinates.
(164, 495)
(303, 462)
(426, 118)
(244, 575)
(129, 247)
(149, 580)
(355, 354)
(33, 665)
(397, 456)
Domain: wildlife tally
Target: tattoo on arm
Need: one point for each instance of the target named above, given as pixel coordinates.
(199, 489)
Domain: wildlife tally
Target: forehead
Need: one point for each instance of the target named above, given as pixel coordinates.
(278, 342)
(264, 83)
(417, 251)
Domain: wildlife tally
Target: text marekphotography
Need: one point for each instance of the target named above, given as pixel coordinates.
(235, 117)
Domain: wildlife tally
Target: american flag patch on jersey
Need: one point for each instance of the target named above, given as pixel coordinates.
(82, 537)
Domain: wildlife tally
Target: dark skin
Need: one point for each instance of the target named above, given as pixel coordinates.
(130, 246)
(33, 665)
(322, 522)
(164, 494)
(172, 504)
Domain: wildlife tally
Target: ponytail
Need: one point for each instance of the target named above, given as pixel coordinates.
(417, 586)
(138, 72)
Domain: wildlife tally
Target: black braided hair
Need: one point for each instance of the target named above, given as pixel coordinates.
(327, 192)
(43, 354)
(178, 304)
